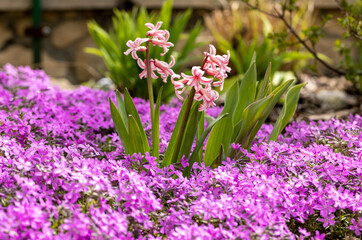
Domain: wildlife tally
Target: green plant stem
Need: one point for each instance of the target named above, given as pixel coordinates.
(185, 117)
(149, 86)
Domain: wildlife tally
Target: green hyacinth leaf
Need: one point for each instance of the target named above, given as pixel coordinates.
(222, 132)
(247, 91)
(171, 145)
(278, 92)
(131, 110)
(250, 117)
(289, 107)
(121, 107)
(137, 141)
(120, 127)
(200, 143)
(190, 132)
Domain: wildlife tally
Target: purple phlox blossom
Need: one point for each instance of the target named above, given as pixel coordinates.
(303, 232)
(73, 192)
(23, 164)
(356, 226)
(325, 207)
(327, 220)
(319, 236)
(135, 46)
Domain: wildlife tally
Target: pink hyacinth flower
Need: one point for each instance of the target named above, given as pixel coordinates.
(155, 31)
(164, 69)
(136, 46)
(142, 64)
(197, 78)
(161, 43)
(213, 60)
(208, 96)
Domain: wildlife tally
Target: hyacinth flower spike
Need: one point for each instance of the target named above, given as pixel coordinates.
(201, 90)
(157, 37)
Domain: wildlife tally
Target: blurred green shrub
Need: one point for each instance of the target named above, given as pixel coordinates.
(122, 70)
(244, 32)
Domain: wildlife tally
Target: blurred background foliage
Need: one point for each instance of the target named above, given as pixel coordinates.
(349, 46)
(243, 32)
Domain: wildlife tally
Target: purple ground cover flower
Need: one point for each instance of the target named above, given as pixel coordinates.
(63, 175)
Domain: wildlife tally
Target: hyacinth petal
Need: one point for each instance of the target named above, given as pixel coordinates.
(150, 26)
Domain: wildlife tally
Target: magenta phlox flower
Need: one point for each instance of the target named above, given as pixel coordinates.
(73, 192)
(23, 164)
(327, 220)
(356, 227)
(304, 233)
(319, 236)
(325, 207)
(135, 46)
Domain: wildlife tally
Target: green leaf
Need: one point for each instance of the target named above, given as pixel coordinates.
(200, 131)
(200, 143)
(93, 51)
(221, 134)
(156, 127)
(264, 87)
(250, 117)
(278, 92)
(121, 107)
(190, 132)
(247, 91)
(289, 107)
(171, 145)
(131, 110)
(138, 143)
(165, 14)
(120, 127)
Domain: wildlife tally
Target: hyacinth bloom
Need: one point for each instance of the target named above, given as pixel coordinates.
(136, 46)
(158, 38)
(164, 69)
(215, 66)
(156, 33)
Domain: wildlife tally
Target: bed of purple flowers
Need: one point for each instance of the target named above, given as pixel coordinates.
(63, 175)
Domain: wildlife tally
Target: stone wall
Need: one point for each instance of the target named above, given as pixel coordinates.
(62, 53)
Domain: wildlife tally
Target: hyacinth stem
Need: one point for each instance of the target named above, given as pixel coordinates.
(149, 86)
(190, 100)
